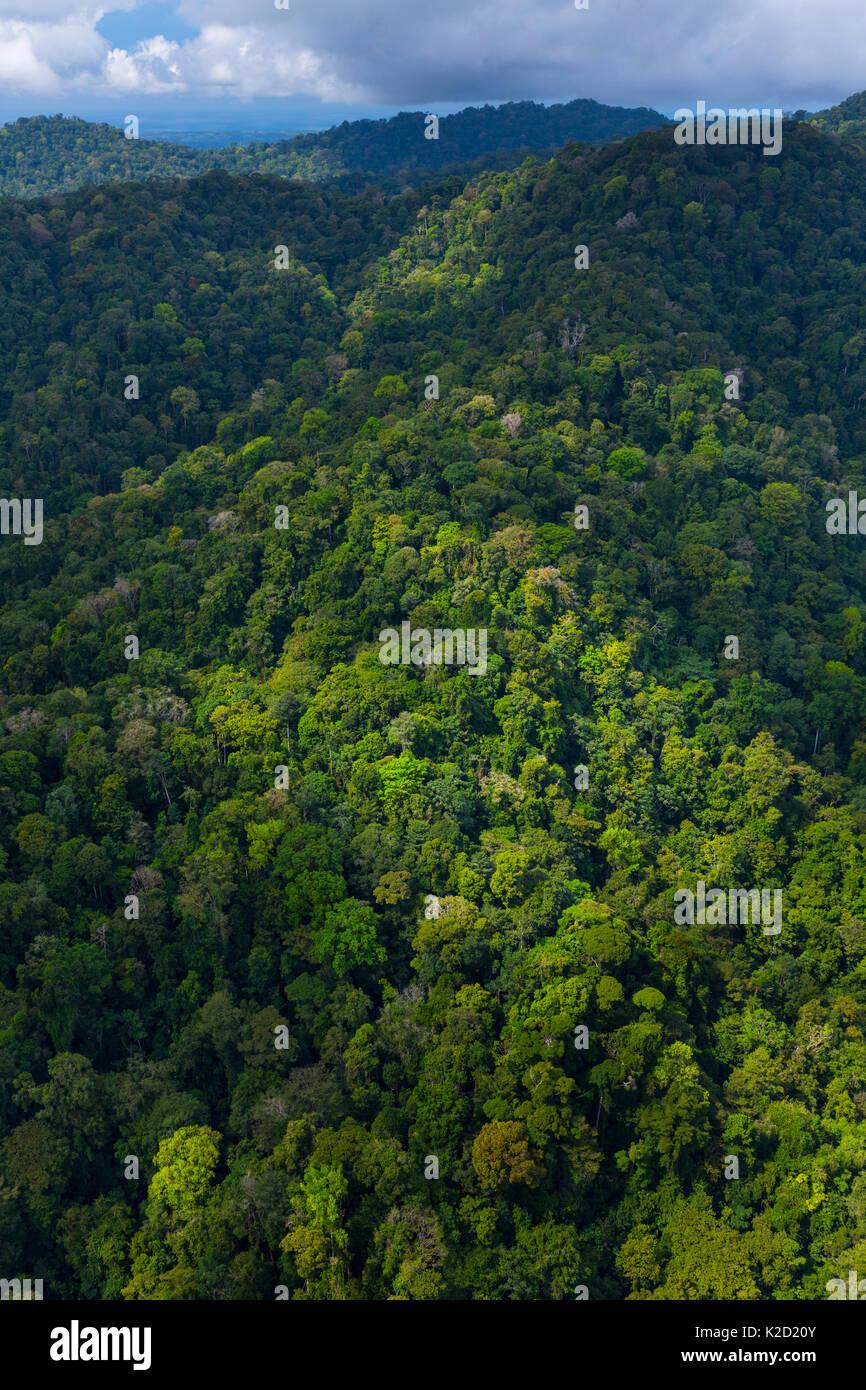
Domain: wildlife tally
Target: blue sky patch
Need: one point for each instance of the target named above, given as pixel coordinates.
(125, 28)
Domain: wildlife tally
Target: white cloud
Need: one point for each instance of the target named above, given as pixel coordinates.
(248, 63)
(38, 12)
(71, 46)
(394, 52)
(618, 50)
(21, 71)
(152, 68)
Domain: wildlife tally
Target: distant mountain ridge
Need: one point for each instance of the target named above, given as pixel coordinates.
(847, 119)
(54, 154)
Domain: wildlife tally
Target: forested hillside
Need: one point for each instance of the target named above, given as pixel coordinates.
(847, 119)
(50, 154)
(337, 978)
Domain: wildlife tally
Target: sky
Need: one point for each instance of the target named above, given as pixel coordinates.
(187, 64)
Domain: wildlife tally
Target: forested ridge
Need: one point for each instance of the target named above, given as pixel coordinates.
(50, 154)
(343, 1037)
(848, 119)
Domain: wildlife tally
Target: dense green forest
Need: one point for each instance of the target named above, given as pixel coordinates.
(847, 119)
(336, 978)
(52, 154)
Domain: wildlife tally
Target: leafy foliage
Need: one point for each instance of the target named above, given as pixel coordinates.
(388, 956)
(54, 154)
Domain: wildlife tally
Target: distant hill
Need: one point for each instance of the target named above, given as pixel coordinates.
(53, 154)
(848, 118)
